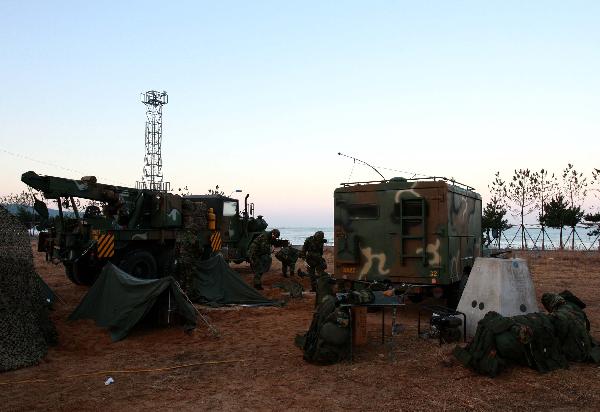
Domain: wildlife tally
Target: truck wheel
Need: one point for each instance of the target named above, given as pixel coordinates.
(141, 264)
(69, 273)
(81, 274)
(166, 262)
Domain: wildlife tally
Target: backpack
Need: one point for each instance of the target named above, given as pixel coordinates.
(328, 338)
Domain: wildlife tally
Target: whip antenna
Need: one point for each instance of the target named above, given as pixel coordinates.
(360, 161)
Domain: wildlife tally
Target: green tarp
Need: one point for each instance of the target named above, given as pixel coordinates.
(47, 292)
(118, 301)
(215, 283)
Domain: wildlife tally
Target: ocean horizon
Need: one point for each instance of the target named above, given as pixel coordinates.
(297, 235)
(510, 238)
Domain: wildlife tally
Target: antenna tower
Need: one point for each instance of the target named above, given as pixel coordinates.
(152, 177)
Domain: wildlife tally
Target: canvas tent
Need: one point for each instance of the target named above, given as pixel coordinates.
(118, 301)
(215, 283)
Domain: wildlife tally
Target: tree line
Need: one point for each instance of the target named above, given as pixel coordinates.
(556, 199)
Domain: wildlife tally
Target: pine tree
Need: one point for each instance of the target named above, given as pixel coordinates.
(555, 215)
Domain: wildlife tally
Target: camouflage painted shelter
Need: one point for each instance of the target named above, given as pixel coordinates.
(422, 231)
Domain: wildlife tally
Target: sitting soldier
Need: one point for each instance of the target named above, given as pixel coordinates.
(327, 340)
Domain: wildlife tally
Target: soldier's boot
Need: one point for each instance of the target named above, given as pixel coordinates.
(258, 281)
(284, 269)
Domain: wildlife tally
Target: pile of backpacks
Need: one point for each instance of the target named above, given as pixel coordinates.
(541, 341)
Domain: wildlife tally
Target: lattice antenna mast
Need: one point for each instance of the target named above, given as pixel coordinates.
(152, 177)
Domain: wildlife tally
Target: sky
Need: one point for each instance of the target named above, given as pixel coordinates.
(264, 94)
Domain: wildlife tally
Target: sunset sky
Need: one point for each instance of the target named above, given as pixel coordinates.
(263, 95)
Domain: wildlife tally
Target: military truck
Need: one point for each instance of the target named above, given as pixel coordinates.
(420, 232)
(137, 229)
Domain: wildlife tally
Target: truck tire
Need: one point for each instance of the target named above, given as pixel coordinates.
(166, 262)
(81, 274)
(140, 263)
(69, 272)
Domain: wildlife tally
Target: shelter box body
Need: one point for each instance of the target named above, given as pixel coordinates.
(425, 232)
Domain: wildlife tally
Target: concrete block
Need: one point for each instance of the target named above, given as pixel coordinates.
(501, 285)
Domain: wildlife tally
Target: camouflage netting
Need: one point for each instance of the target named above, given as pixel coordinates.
(25, 325)
(194, 216)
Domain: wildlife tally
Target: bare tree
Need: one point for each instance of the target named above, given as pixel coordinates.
(595, 183)
(546, 187)
(522, 192)
(574, 188)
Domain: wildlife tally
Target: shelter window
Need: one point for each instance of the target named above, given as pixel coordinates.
(412, 207)
(230, 208)
(363, 212)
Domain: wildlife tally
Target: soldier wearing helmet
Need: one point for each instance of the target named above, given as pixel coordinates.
(312, 252)
(259, 254)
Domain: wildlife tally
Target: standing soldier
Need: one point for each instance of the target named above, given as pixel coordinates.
(288, 255)
(312, 252)
(259, 253)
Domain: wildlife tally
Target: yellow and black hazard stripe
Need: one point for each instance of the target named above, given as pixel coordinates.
(215, 241)
(106, 245)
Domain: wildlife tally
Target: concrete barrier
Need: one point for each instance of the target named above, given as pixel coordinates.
(501, 285)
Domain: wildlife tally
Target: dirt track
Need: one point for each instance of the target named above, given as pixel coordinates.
(265, 371)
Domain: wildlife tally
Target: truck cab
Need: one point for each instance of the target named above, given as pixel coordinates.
(234, 229)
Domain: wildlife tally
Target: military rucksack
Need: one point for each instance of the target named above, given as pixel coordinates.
(527, 340)
(328, 338)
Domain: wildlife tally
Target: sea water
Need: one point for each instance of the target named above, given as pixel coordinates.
(297, 235)
(509, 239)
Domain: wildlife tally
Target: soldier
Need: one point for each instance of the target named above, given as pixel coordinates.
(259, 254)
(288, 256)
(312, 252)
(188, 253)
(571, 326)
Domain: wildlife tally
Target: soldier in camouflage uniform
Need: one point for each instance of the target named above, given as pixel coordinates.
(288, 256)
(187, 254)
(259, 254)
(312, 252)
(571, 326)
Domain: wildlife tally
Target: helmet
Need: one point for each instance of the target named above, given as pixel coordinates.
(275, 233)
(551, 301)
(319, 234)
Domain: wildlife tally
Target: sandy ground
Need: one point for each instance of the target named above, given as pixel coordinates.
(254, 364)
